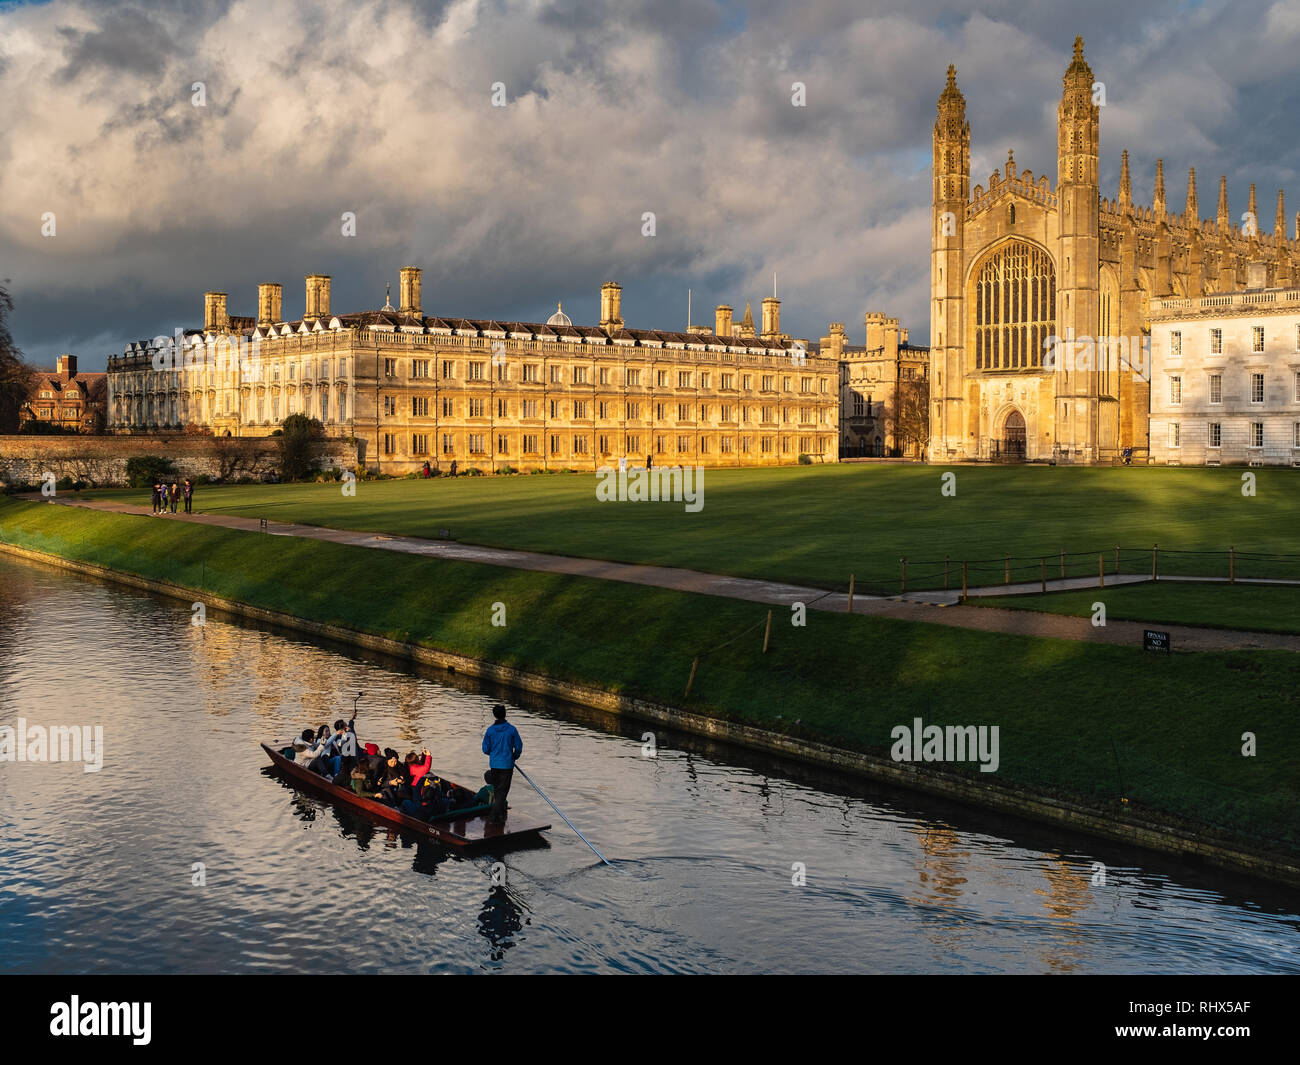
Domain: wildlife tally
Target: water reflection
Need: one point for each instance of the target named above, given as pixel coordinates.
(705, 835)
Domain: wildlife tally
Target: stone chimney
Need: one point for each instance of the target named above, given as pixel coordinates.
(66, 365)
(611, 306)
(216, 319)
(1257, 274)
(771, 318)
(722, 320)
(317, 304)
(269, 295)
(410, 292)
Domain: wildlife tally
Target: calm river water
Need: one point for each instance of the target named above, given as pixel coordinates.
(96, 869)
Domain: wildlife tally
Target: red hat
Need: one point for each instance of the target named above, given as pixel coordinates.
(372, 748)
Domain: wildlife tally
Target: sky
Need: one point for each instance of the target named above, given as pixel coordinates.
(682, 108)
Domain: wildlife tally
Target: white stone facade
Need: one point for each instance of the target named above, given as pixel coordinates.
(1225, 381)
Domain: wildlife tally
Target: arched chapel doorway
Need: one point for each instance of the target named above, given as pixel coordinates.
(1013, 437)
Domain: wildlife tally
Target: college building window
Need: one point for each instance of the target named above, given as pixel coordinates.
(1296, 439)
(390, 368)
(728, 381)
(420, 368)
(579, 445)
(663, 378)
(1297, 387)
(579, 375)
(727, 443)
(502, 448)
(555, 408)
(1015, 307)
(555, 444)
(390, 405)
(476, 371)
(684, 379)
(1216, 388)
(1257, 339)
(1175, 344)
(448, 407)
(634, 378)
(530, 444)
(419, 444)
(448, 444)
(390, 444)
(502, 408)
(476, 444)
(1216, 435)
(530, 408)
(476, 408)
(419, 406)
(604, 375)
(530, 372)
(633, 445)
(1175, 390)
(704, 380)
(704, 445)
(501, 372)
(634, 409)
(557, 375)
(602, 444)
(580, 408)
(1257, 388)
(1216, 341)
(683, 412)
(1256, 434)
(683, 444)
(448, 370)
(1175, 434)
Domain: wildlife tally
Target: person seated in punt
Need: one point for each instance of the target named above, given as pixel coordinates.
(309, 747)
(416, 768)
(360, 779)
(394, 781)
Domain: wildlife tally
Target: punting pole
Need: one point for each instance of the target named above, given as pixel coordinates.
(561, 813)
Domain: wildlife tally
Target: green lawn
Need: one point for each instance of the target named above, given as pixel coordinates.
(817, 525)
(1219, 606)
(1088, 721)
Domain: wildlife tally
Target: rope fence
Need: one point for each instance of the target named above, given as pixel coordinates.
(960, 574)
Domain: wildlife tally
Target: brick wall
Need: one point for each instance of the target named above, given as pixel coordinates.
(101, 460)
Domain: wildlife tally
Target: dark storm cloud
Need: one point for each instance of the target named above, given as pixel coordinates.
(681, 108)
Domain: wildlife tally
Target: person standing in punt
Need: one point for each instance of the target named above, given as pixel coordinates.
(503, 746)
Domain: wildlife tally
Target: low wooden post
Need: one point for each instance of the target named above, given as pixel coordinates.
(694, 666)
(850, 593)
(946, 559)
(1155, 562)
(963, 582)
(1044, 567)
(1232, 565)
(1117, 560)
(1101, 570)
(767, 633)
(1006, 569)
(1062, 563)
(904, 562)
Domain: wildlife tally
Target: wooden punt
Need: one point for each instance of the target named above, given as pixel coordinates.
(463, 831)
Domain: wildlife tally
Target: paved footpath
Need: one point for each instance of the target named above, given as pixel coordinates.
(938, 608)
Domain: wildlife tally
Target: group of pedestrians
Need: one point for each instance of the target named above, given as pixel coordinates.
(408, 783)
(168, 495)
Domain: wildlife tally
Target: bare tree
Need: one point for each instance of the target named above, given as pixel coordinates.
(912, 415)
(15, 374)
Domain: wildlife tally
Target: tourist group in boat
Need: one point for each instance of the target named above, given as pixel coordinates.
(408, 782)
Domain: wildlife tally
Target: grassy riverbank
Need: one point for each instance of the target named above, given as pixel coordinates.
(1085, 721)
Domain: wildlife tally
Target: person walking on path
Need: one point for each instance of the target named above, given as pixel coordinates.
(173, 494)
(157, 498)
(189, 495)
(503, 746)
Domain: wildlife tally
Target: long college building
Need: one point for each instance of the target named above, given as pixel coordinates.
(1021, 261)
(488, 394)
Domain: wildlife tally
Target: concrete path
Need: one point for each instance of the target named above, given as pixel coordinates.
(940, 608)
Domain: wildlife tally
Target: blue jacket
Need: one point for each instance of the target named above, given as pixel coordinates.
(502, 745)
